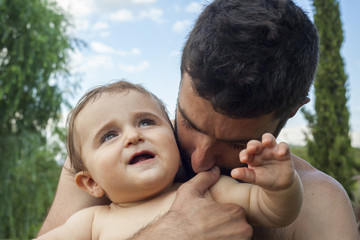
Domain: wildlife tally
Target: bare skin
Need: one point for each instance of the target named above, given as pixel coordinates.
(274, 201)
(326, 213)
(66, 192)
(191, 206)
(328, 197)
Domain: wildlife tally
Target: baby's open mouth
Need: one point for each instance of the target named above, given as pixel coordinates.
(141, 157)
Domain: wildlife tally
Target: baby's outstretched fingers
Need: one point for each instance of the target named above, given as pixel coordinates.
(283, 150)
(244, 174)
(268, 140)
(244, 156)
(254, 147)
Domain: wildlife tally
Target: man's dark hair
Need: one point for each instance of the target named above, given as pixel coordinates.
(252, 57)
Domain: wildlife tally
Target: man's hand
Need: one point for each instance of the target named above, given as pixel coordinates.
(203, 218)
(195, 215)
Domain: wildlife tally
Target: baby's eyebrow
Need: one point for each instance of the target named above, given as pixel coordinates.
(101, 130)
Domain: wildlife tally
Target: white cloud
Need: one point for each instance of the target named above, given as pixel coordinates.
(80, 11)
(77, 59)
(194, 7)
(181, 26)
(293, 135)
(101, 47)
(100, 61)
(154, 14)
(82, 24)
(175, 53)
(131, 68)
(134, 51)
(355, 139)
(143, 1)
(104, 34)
(125, 15)
(111, 5)
(79, 8)
(296, 136)
(122, 15)
(81, 64)
(100, 26)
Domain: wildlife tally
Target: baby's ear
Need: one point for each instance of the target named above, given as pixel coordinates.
(84, 181)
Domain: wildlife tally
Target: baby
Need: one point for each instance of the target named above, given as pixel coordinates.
(121, 144)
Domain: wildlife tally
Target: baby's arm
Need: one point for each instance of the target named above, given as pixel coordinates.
(78, 226)
(274, 197)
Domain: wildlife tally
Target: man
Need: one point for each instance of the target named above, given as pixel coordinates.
(246, 69)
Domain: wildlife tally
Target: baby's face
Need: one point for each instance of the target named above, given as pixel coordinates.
(127, 145)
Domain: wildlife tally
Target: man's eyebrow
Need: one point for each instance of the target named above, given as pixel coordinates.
(231, 141)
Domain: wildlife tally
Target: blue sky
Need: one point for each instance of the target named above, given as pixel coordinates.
(141, 41)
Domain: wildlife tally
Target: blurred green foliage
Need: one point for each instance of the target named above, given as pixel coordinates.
(34, 49)
(329, 144)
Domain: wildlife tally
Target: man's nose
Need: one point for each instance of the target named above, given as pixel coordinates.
(132, 136)
(203, 157)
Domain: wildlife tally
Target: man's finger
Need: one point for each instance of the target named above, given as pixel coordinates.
(202, 181)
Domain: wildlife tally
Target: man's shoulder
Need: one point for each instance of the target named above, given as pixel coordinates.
(326, 205)
(314, 179)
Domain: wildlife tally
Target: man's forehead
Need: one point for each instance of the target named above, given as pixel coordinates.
(222, 132)
(202, 116)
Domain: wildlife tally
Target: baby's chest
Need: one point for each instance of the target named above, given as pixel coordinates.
(124, 223)
(119, 228)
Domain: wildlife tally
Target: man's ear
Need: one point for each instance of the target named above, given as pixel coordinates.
(84, 181)
(307, 100)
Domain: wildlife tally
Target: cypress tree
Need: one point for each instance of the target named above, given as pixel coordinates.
(329, 148)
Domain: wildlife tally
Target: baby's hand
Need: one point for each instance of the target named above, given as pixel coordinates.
(269, 164)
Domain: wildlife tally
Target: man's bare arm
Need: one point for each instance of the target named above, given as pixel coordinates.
(68, 200)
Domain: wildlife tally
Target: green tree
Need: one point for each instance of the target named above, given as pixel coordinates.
(34, 48)
(330, 149)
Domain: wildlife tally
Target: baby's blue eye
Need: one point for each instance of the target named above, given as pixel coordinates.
(108, 136)
(146, 122)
